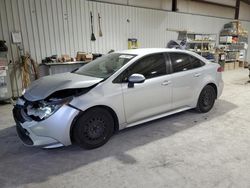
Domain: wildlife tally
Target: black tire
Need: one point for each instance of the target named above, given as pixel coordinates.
(206, 99)
(94, 128)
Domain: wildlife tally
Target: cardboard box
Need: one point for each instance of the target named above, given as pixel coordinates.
(226, 39)
(231, 66)
(89, 57)
(198, 37)
(66, 58)
(226, 67)
(81, 56)
(241, 64)
(236, 65)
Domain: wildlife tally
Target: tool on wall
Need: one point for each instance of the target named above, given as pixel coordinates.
(99, 22)
(92, 27)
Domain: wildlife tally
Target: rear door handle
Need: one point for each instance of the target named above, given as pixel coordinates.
(166, 82)
(197, 74)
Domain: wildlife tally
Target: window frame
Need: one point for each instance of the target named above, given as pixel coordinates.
(171, 63)
(120, 77)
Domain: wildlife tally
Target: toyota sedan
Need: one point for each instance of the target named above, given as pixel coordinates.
(119, 90)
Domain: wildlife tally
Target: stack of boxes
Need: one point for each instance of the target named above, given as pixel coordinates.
(5, 85)
(233, 40)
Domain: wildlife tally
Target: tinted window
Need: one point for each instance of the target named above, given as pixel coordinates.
(182, 62)
(196, 62)
(150, 66)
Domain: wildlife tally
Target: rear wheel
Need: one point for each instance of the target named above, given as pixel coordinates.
(206, 99)
(94, 128)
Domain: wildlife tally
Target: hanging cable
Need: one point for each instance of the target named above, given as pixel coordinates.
(28, 68)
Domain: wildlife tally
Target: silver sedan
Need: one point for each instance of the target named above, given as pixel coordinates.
(119, 90)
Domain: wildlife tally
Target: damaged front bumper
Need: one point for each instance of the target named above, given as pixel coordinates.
(48, 133)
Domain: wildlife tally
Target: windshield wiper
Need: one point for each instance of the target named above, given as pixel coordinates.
(74, 70)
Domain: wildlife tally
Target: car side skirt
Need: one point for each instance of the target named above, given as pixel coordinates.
(157, 116)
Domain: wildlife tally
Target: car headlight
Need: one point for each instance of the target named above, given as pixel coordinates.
(43, 112)
(46, 109)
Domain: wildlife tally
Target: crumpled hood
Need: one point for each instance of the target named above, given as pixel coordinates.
(45, 86)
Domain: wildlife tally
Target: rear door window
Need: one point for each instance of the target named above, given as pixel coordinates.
(183, 62)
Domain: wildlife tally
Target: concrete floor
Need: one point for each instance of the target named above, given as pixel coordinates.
(183, 150)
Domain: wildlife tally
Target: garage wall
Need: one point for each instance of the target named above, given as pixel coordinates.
(188, 6)
(193, 7)
(244, 11)
(63, 26)
(156, 4)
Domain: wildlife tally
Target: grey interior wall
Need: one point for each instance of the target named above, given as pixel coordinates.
(190, 6)
(63, 26)
(194, 7)
(244, 11)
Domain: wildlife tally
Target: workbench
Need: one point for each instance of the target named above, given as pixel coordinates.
(58, 67)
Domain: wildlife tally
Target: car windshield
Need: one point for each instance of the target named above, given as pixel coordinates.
(105, 66)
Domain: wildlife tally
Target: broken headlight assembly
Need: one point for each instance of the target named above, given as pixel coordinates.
(44, 109)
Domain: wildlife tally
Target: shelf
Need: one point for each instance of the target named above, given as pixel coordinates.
(225, 43)
(206, 51)
(194, 33)
(65, 63)
(231, 50)
(200, 42)
(229, 35)
(230, 60)
(228, 43)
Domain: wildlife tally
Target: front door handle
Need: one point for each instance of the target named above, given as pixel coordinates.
(197, 74)
(166, 82)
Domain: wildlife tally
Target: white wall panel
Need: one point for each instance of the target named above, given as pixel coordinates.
(51, 27)
(10, 25)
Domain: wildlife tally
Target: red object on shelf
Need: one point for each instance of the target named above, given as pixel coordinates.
(234, 39)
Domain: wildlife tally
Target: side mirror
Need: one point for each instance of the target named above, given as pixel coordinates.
(135, 78)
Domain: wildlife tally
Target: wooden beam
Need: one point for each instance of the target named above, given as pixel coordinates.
(174, 5)
(237, 10)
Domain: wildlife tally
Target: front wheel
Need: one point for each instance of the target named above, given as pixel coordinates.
(206, 99)
(94, 128)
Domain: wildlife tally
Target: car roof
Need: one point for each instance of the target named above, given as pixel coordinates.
(144, 51)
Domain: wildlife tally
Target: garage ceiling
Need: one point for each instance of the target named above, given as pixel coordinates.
(227, 3)
(223, 2)
(246, 1)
